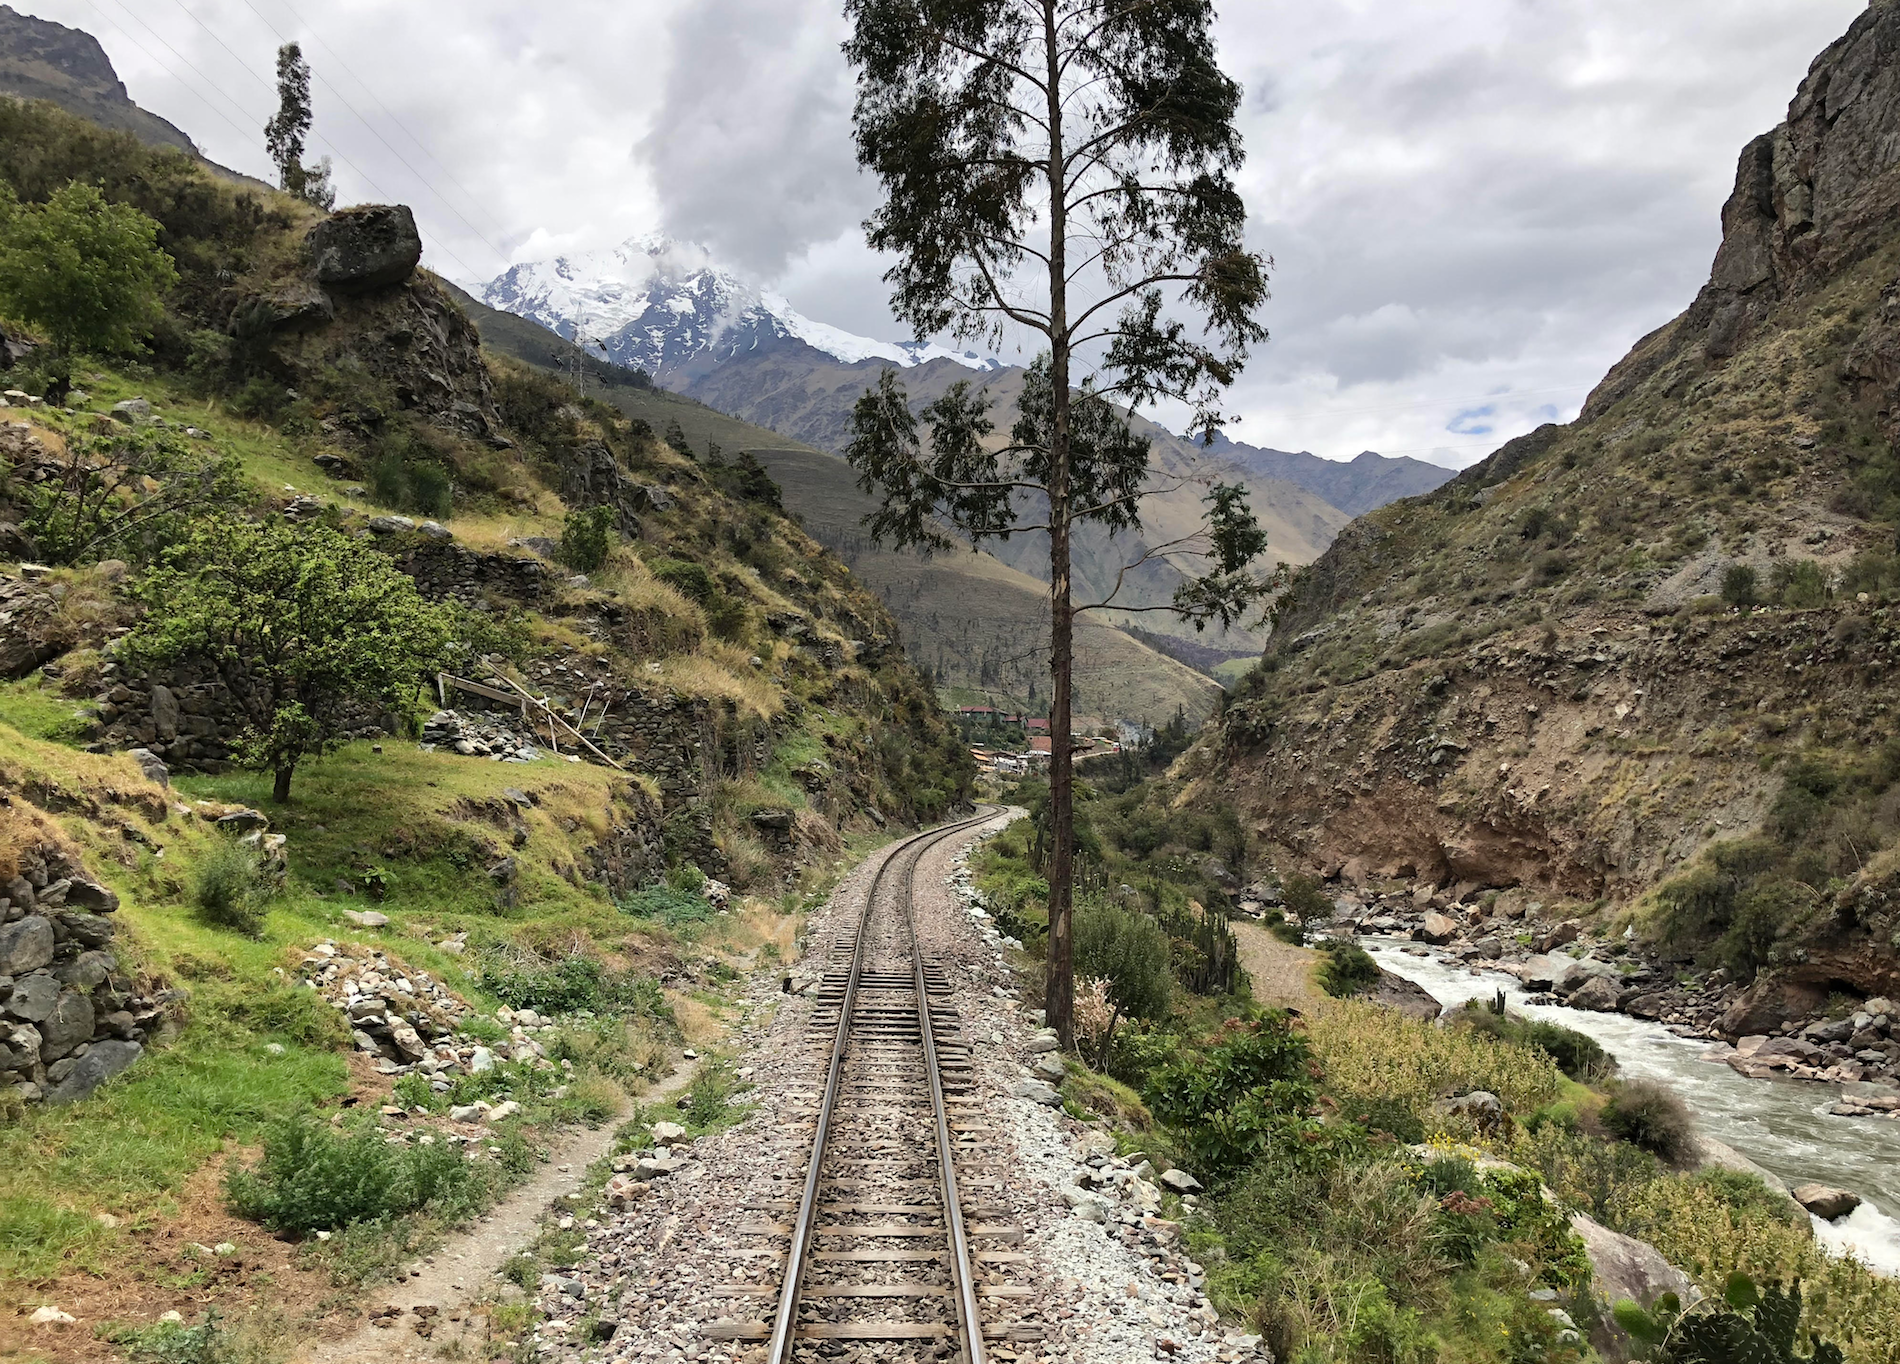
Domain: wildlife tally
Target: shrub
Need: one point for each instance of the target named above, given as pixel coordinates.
(1127, 949)
(570, 984)
(230, 887)
(1740, 587)
(667, 904)
(1799, 583)
(315, 1178)
(1579, 1056)
(1304, 896)
(1348, 969)
(1366, 1049)
(1244, 1096)
(586, 536)
(690, 580)
(88, 271)
(1652, 1118)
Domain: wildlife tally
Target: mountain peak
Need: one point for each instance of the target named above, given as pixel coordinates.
(669, 307)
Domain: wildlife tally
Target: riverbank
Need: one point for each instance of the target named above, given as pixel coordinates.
(1781, 1125)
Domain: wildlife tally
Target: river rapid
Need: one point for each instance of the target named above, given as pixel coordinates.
(1778, 1124)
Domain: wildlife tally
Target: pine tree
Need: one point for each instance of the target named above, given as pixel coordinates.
(284, 135)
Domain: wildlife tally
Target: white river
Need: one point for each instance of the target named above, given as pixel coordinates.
(1778, 1124)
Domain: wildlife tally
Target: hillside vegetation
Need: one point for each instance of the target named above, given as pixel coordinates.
(307, 389)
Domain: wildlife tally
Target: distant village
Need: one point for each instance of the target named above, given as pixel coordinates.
(1009, 745)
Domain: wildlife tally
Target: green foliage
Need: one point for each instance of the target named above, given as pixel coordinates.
(1348, 969)
(1578, 1055)
(127, 496)
(313, 1177)
(173, 1342)
(1746, 1325)
(1799, 583)
(307, 626)
(571, 984)
(586, 537)
(1647, 1115)
(1740, 586)
(690, 580)
(1244, 1094)
(406, 473)
(1127, 949)
(284, 134)
(230, 887)
(1306, 897)
(87, 271)
(1603, 1178)
(667, 905)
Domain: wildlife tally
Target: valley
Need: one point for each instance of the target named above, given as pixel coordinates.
(496, 863)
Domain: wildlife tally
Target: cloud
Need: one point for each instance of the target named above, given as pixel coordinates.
(751, 151)
(1471, 203)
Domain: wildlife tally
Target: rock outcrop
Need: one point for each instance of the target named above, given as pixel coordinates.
(373, 246)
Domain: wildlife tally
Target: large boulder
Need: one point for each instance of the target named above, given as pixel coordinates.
(1623, 1267)
(1597, 994)
(30, 627)
(26, 945)
(1437, 929)
(371, 247)
(1825, 1201)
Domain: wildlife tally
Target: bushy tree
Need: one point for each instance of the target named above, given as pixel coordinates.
(309, 629)
(87, 272)
(1063, 167)
(284, 135)
(586, 538)
(127, 495)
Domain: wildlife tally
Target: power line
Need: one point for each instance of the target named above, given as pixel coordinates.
(427, 183)
(188, 86)
(377, 189)
(370, 90)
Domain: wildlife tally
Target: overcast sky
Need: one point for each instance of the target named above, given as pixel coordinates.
(1474, 206)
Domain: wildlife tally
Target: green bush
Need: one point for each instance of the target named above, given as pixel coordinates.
(1740, 586)
(1578, 1055)
(1650, 1117)
(667, 904)
(1127, 949)
(315, 1178)
(230, 887)
(571, 984)
(1799, 583)
(1247, 1093)
(88, 271)
(1306, 897)
(586, 537)
(1348, 969)
(173, 1342)
(690, 580)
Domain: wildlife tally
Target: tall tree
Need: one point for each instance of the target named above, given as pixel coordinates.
(284, 135)
(1063, 167)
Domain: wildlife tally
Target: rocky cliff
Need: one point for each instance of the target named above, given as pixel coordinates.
(1621, 649)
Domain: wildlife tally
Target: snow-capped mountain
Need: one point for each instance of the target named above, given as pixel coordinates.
(664, 306)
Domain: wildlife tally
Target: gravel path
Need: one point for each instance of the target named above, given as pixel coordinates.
(1111, 1279)
(1280, 973)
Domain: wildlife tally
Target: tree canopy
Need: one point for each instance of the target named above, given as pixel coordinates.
(285, 133)
(87, 272)
(313, 632)
(1064, 169)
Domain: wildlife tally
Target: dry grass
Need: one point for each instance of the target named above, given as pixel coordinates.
(1370, 1050)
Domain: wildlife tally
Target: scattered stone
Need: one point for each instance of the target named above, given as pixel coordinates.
(1181, 1181)
(51, 1316)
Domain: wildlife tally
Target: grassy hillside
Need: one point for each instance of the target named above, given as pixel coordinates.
(970, 620)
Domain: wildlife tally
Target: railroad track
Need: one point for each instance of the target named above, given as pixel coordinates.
(892, 1240)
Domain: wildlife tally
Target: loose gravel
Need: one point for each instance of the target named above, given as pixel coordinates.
(1112, 1278)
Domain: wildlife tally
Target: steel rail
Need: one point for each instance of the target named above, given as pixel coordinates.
(963, 1281)
(785, 1323)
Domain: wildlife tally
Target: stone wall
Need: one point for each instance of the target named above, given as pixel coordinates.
(69, 1018)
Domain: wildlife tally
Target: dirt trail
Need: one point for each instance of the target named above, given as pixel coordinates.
(461, 1272)
(1282, 974)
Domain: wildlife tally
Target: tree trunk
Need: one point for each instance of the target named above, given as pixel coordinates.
(1059, 968)
(280, 786)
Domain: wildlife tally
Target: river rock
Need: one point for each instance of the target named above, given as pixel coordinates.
(1437, 929)
(1825, 1201)
(1484, 1109)
(1598, 994)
